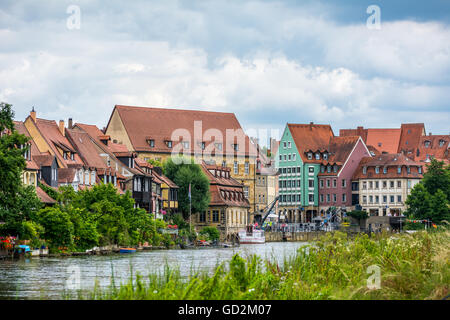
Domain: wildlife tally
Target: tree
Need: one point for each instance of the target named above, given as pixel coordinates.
(419, 203)
(184, 174)
(211, 232)
(437, 177)
(17, 203)
(58, 227)
(440, 207)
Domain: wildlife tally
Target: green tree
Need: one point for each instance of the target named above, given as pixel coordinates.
(419, 203)
(211, 232)
(440, 207)
(17, 203)
(58, 228)
(437, 177)
(183, 174)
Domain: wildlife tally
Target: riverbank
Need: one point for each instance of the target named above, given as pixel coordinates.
(384, 266)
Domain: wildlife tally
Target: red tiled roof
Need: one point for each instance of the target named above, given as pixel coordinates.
(391, 162)
(86, 148)
(310, 137)
(66, 175)
(340, 148)
(224, 190)
(384, 140)
(45, 198)
(50, 131)
(410, 137)
(438, 148)
(158, 124)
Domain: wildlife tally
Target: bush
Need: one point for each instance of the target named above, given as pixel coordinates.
(357, 214)
(210, 233)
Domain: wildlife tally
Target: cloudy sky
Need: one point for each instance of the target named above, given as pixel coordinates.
(270, 62)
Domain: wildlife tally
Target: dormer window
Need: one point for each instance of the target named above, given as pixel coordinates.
(72, 156)
(426, 144)
(169, 144)
(384, 170)
(335, 168)
(364, 170)
(328, 169)
(65, 155)
(377, 169)
(420, 170)
(317, 156)
(151, 143)
(441, 143)
(399, 169)
(408, 170)
(309, 156)
(325, 156)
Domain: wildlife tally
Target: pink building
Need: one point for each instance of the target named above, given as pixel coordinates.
(335, 177)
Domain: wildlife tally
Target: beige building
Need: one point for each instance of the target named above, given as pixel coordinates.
(384, 182)
(157, 133)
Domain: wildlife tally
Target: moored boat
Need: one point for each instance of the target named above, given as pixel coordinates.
(251, 235)
(127, 250)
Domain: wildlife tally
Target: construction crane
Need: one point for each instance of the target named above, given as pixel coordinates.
(268, 209)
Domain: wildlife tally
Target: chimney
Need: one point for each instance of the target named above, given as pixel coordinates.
(61, 127)
(69, 124)
(429, 133)
(33, 114)
(310, 125)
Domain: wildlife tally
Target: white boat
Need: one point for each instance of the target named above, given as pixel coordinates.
(251, 235)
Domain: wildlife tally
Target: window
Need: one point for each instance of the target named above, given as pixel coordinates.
(299, 183)
(281, 157)
(384, 199)
(377, 199)
(186, 144)
(169, 144)
(203, 145)
(317, 156)
(377, 169)
(236, 147)
(344, 183)
(289, 183)
(321, 198)
(151, 143)
(280, 184)
(311, 169)
(246, 168)
(328, 183)
(335, 168)
(392, 199)
(370, 184)
(377, 185)
(284, 170)
(364, 185)
(334, 197)
(215, 216)
(284, 144)
(224, 163)
(309, 156)
(325, 156)
(399, 199)
(65, 155)
(236, 167)
(202, 216)
(384, 184)
(399, 169)
(364, 199)
(322, 169)
(246, 191)
(293, 156)
(334, 183)
(285, 158)
(321, 183)
(289, 157)
(441, 143)
(72, 156)
(289, 144)
(288, 170)
(399, 184)
(311, 183)
(391, 184)
(344, 197)
(384, 170)
(408, 170)
(299, 169)
(311, 198)
(427, 144)
(370, 199)
(328, 169)
(364, 170)
(328, 197)
(419, 169)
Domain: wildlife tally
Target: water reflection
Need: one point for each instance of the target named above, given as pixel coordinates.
(46, 278)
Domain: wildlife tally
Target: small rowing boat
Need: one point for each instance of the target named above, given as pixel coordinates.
(127, 250)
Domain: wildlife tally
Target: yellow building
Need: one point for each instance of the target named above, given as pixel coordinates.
(157, 133)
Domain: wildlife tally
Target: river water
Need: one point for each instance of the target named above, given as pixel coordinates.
(48, 278)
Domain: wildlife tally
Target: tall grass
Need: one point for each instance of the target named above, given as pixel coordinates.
(412, 266)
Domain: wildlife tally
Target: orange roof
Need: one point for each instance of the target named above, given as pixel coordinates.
(384, 140)
(158, 124)
(410, 137)
(50, 131)
(224, 189)
(310, 137)
(433, 146)
(86, 148)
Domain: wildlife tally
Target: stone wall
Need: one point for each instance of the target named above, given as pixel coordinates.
(292, 236)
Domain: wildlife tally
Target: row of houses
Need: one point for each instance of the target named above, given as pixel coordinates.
(371, 169)
(311, 170)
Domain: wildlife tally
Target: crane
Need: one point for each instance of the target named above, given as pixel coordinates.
(266, 211)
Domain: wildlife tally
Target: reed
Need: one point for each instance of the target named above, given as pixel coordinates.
(412, 266)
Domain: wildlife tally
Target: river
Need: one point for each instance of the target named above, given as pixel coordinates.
(48, 278)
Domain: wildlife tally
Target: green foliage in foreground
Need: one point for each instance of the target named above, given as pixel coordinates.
(412, 266)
